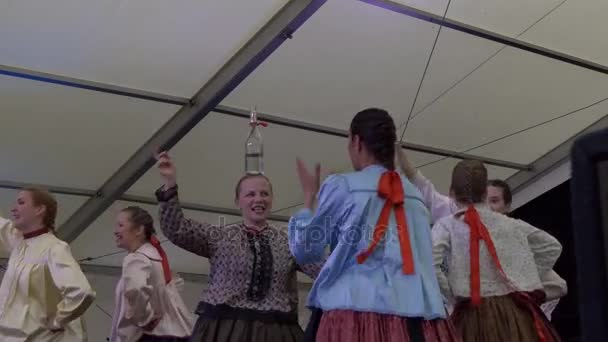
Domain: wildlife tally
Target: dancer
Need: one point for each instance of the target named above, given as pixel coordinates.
(148, 307)
(498, 199)
(44, 292)
(252, 293)
(494, 265)
(380, 289)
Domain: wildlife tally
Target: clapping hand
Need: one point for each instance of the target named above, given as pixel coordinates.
(310, 182)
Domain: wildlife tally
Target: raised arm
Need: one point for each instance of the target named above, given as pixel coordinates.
(9, 235)
(76, 292)
(311, 232)
(438, 204)
(136, 271)
(193, 236)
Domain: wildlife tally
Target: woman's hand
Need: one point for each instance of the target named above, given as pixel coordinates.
(404, 163)
(310, 182)
(167, 169)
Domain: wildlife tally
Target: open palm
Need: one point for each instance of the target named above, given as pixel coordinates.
(309, 181)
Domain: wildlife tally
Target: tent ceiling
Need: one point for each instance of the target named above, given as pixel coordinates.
(506, 17)
(169, 47)
(70, 137)
(347, 56)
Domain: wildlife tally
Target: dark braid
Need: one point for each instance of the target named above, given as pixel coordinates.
(141, 217)
(469, 181)
(376, 129)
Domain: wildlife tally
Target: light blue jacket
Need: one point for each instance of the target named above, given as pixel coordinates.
(348, 210)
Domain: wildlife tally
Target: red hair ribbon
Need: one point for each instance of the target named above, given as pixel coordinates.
(478, 232)
(258, 123)
(391, 188)
(164, 260)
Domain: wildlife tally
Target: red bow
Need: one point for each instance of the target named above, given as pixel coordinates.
(391, 188)
(480, 232)
(258, 123)
(164, 260)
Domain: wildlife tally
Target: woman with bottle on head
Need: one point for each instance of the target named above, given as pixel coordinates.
(379, 283)
(494, 265)
(44, 292)
(252, 292)
(499, 200)
(148, 307)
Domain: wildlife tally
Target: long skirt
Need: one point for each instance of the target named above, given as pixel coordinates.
(220, 323)
(310, 334)
(150, 338)
(513, 317)
(353, 326)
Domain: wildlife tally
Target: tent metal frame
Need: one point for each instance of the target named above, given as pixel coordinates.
(232, 111)
(486, 34)
(279, 28)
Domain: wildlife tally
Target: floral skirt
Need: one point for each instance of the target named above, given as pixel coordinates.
(353, 326)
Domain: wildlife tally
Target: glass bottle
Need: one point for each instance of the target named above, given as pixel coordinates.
(254, 148)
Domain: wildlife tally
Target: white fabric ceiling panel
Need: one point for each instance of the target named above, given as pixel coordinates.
(348, 56)
(210, 160)
(509, 18)
(514, 90)
(172, 47)
(577, 28)
(70, 137)
(527, 146)
(67, 205)
(456, 55)
(433, 6)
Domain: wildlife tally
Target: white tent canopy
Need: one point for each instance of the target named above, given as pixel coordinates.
(90, 89)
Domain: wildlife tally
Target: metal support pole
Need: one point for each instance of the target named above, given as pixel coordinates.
(485, 34)
(131, 198)
(227, 110)
(280, 27)
(344, 134)
(90, 85)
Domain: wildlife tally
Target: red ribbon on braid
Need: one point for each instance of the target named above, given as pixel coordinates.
(478, 232)
(164, 260)
(391, 188)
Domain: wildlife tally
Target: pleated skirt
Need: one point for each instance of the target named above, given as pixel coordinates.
(514, 317)
(353, 326)
(225, 324)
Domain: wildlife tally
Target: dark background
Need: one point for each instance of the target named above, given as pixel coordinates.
(552, 213)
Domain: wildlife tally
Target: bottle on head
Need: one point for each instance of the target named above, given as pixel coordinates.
(254, 148)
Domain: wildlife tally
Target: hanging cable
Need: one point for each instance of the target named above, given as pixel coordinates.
(517, 132)
(426, 68)
(419, 112)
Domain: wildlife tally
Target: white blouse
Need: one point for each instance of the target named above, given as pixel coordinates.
(525, 253)
(43, 288)
(143, 296)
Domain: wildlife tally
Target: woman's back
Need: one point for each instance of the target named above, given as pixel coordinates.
(349, 208)
(524, 252)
